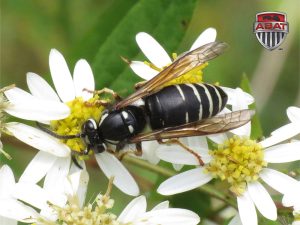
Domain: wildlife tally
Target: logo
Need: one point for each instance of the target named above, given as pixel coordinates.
(271, 28)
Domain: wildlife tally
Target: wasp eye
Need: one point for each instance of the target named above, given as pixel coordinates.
(91, 125)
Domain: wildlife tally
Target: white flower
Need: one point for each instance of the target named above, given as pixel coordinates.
(158, 56)
(287, 131)
(231, 162)
(135, 213)
(45, 106)
(12, 209)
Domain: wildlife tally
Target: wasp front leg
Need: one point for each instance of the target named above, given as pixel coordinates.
(114, 94)
(177, 142)
(98, 102)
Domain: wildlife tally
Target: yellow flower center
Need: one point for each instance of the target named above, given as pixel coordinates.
(81, 111)
(238, 161)
(193, 76)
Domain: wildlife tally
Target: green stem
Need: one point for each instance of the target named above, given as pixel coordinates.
(208, 189)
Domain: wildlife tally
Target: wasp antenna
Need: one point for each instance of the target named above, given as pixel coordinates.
(75, 161)
(64, 137)
(128, 61)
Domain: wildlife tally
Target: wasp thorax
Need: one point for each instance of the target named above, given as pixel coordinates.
(238, 161)
(81, 112)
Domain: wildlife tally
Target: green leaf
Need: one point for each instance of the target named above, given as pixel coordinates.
(88, 46)
(256, 128)
(162, 19)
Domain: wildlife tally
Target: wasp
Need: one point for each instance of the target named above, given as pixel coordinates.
(174, 111)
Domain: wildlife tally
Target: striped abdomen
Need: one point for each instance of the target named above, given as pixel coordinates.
(184, 103)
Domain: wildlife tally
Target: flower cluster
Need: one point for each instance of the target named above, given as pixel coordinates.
(234, 158)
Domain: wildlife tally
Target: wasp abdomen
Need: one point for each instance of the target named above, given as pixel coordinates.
(184, 103)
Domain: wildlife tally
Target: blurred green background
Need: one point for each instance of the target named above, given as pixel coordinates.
(102, 31)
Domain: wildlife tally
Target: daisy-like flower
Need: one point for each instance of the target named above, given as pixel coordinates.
(36, 198)
(12, 196)
(241, 162)
(72, 210)
(159, 58)
(64, 111)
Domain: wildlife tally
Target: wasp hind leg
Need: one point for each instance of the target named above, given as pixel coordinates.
(177, 142)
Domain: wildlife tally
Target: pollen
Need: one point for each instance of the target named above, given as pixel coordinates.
(80, 112)
(237, 161)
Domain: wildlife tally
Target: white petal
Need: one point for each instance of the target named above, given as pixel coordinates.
(218, 138)
(152, 50)
(112, 167)
(149, 151)
(237, 93)
(198, 144)
(61, 76)
(246, 210)
(31, 194)
(7, 181)
(162, 205)
(17, 95)
(281, 134)
(293, 114)
(292, 198)
(38, 167)
(7, 221)
(17, 210)
(176, 154)
(38, 139)
(57, 175)
(142, 70)
(26, 106)
(244, 130)
(283, 153)
(79, 181)
(278, 181)
(207, 36)
(177, 167)
(262, 200)
(185, 181)
(83, 78)
(136, 207)
(236, 220)
(40, 88)
(39, 110)
(172, 216)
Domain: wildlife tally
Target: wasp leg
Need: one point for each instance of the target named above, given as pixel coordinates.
(98, 103)
(105, 91)
(75, 161)
(177, 142)
(139, 84)
(139, 150)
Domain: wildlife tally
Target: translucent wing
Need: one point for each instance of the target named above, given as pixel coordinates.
(213, 125)
(179, 67)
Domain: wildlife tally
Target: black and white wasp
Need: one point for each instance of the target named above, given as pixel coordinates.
(174, 111)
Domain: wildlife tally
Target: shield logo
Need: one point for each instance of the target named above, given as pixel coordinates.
(271, 28)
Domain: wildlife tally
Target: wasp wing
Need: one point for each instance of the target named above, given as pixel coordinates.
(179, 67)
(213, 125)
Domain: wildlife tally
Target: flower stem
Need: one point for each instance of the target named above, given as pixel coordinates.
(208, 189)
